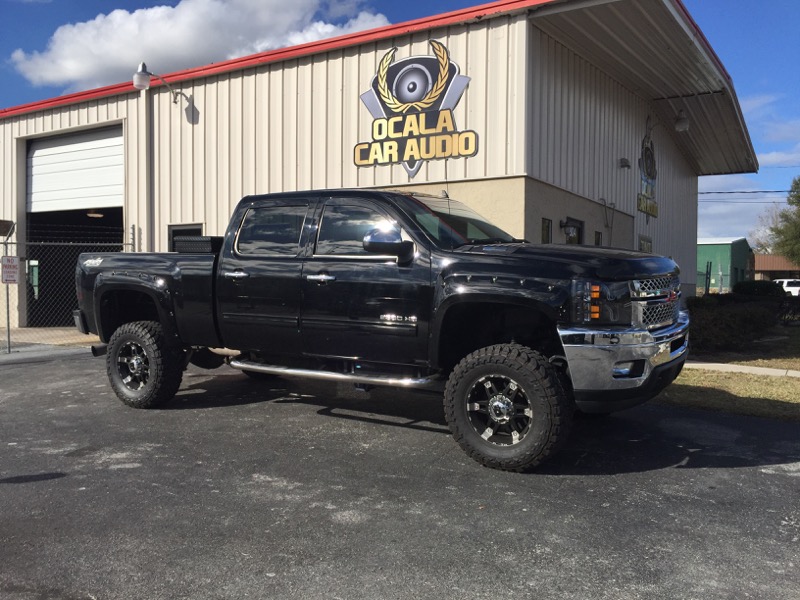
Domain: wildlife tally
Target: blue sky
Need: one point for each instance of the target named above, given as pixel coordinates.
(51, 47)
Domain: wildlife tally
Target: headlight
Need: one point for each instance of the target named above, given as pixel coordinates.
(601, 303)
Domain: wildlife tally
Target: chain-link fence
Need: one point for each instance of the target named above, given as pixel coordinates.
(38, 309)
(712, 283)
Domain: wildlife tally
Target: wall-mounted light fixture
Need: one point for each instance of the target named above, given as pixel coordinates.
(141, 81)
(570, 226)
(94, 214)
(681, 122)
(624, 163)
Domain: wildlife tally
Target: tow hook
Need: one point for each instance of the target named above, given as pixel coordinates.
(99, 350)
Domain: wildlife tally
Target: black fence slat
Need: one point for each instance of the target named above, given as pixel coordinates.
(45, 296)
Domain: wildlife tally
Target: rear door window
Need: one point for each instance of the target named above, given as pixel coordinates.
(272, 230)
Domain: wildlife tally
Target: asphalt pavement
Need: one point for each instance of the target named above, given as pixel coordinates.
(290, 489)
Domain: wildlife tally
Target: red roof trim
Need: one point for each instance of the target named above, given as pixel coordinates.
(94, 94)
(703, 39)
(362, 37)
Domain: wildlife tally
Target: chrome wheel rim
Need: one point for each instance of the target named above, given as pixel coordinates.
(499, 410)
(133, 366)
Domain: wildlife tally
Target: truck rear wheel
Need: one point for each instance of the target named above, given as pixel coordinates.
(506, 407)
(144, 371)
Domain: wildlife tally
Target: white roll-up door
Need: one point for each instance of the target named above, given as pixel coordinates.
(76, 171)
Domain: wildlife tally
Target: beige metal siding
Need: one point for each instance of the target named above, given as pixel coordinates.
(15, 132)
(582, 122)
(539, 109)
(294, 125)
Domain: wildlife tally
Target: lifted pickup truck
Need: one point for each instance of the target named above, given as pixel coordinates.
(394, 289)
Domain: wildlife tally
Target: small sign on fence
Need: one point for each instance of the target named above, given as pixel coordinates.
(10, 269)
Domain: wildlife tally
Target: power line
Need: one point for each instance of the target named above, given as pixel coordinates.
(740, 201)
(718, 199)
(746, 192)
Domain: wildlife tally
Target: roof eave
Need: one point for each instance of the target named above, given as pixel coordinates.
(655, 49)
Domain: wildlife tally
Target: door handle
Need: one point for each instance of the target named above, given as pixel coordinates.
(235, 275)
(321, 278)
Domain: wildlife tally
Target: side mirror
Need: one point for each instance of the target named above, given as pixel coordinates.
(389, 241)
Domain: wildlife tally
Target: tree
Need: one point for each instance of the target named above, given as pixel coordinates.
(787, 231)
(761, 239)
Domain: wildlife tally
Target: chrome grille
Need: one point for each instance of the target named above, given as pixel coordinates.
(656, 302)
(660, 314)
(658, 286)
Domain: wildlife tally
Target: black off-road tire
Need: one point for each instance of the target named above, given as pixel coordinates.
(506, 407)
(144, 370)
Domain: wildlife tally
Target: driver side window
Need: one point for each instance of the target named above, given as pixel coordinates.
(342, 229)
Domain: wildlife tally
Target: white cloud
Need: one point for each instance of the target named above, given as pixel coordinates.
(726, 183)
(780, 159)
(782, 131)
(754, 106)
(107, 49)
(731, 214)
(727, 220)
(336, 9)
(317, 30)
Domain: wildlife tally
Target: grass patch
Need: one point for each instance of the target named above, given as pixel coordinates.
(740, 393)
(743, 393)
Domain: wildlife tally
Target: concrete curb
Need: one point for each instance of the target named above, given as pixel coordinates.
(40, 352)
(742, 369)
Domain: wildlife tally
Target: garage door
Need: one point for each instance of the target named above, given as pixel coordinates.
(76, 171)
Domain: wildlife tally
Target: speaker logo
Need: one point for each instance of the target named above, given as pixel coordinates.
(646, 198)
(411, 102)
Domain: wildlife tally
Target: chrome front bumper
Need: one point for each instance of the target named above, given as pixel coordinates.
(603, 361)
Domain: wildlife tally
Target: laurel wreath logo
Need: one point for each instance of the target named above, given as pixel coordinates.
(433, 94)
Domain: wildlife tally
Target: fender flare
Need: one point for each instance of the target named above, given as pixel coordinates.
(156, 289)
(479, 297)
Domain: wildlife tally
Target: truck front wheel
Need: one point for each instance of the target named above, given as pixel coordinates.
(144, 371)
(506, 407)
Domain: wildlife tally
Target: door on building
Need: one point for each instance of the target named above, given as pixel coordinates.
(258, 281)
(75, 193)
(357, 305)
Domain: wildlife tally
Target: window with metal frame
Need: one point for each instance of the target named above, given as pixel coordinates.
(342, 229)
(547, 231)
(272, 230)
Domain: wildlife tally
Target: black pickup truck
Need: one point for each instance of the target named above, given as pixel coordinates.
(395, 289)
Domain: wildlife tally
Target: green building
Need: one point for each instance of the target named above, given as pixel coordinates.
(722, 263)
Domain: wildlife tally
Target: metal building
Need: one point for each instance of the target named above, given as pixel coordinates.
(561, 120)
(722, 263)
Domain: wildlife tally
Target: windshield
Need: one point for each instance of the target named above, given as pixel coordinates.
(451, 223)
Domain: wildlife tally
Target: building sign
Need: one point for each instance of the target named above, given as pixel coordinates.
(10, 269)
(646, 199)
(411, 102)
(647, 205)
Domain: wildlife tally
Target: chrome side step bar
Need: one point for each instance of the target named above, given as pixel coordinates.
(387, 380)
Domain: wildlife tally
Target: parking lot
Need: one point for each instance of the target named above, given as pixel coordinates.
(291, 489)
